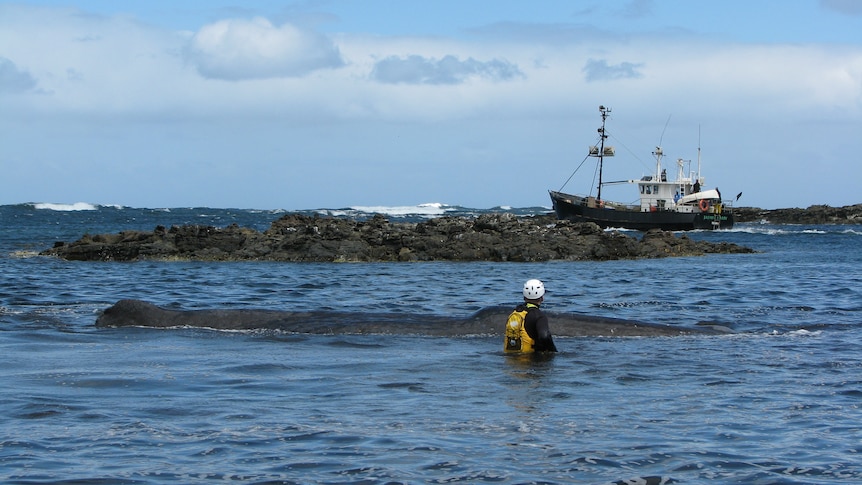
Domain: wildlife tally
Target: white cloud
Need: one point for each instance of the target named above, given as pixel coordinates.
(762, 81)
(847, 7)
(237, 49)
(13, 79)
(638, 8)
(113, 65)
(600, 70)
(91, 64)
(417, 69)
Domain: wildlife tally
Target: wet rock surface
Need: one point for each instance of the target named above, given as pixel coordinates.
(298, 238)
(815, 214)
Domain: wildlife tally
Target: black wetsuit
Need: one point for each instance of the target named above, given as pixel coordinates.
(536, 325)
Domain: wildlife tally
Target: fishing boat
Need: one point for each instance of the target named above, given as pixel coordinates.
(670, 205)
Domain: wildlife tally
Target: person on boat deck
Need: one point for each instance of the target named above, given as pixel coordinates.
(696, 186)
(534, 334)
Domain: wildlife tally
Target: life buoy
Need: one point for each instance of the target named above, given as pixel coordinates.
(704, 205)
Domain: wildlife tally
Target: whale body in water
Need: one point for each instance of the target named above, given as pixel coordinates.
(488, 321)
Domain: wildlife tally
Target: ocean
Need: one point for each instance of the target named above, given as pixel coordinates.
(775, 402)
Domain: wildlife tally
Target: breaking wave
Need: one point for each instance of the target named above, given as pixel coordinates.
(77, 206)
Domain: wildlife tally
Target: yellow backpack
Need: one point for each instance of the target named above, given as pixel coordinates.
(517, 339)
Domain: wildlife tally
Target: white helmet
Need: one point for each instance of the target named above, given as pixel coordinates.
(534, 289)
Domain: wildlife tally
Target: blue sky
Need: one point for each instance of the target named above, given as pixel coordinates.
(336, 103)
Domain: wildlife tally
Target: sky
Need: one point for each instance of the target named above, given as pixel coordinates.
(259, 104)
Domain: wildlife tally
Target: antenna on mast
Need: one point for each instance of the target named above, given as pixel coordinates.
(602, 151)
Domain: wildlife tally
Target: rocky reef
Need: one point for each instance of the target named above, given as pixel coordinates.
(815, 214)
(295, 237)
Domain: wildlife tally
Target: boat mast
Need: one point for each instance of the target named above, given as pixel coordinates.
(604, 112)
(658, 153)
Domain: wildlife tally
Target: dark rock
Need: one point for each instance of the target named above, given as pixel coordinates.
(816, 214)
(296, 237)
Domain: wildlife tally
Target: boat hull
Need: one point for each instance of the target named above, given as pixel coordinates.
(574, 208)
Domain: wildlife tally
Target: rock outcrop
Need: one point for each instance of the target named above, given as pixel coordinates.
(816, 214)
(295, 237)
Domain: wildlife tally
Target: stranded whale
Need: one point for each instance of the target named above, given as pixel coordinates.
(488, 321)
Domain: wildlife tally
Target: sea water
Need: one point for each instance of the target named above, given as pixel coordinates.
(777, 401)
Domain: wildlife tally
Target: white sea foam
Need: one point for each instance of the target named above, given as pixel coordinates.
(429, 210)
(77, 206)
(432, 208)
(768, 230)
(805, 333)
(24, 254)
(790, 230)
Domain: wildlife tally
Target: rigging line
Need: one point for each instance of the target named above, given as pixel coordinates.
(576, 171)
(633, 154)
(663, 130)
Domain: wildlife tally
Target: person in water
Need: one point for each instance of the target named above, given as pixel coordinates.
(527, 328)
